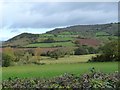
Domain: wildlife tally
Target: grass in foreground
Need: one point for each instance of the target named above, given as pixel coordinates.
(52, 70)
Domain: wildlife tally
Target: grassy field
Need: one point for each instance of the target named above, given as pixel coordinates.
(64, 44)
(63, 38)
(60, 37)
(101, 34)
(67, 59)
(52, 68)
(56, 39)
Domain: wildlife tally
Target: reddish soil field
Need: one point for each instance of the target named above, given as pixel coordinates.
(90, 42)
(45, 50)
(42, 50)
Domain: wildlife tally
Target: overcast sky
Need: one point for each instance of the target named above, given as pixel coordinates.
(39, 17)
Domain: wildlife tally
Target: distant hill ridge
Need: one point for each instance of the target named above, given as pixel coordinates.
(110, 28)
(82, 30)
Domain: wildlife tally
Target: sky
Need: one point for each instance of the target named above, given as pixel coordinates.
(39, 17)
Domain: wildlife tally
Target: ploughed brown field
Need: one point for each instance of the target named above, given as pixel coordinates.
(89, 42)
(42, 50)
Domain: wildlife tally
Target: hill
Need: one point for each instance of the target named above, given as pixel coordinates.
(21, 40)
(110, 29)
(59, 36)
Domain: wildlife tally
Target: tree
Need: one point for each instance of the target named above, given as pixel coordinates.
(49, 40)
(92, 50)
(19, 54)
(109, 52)
(81, 51)
(37, 53)
(77, 42)
(27, 57)
(57, 53)
(55, 35)
(6, 60)
(10, 52)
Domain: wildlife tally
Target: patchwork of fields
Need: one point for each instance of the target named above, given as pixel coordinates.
(64, 50)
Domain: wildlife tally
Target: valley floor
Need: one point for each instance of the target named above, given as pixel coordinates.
(52, 70)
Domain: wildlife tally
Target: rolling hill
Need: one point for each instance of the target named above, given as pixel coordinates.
(101, 32)
(110, 29)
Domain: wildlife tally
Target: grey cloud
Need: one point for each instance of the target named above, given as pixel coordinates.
(50, 15)
(15, 31)
(51, 8)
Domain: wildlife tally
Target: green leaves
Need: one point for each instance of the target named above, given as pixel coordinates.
(6, 60)
(98, 81)
(110, 52)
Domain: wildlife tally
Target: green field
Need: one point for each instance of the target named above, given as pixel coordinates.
(64, 44)
(52, 68)
(56, 39)
(102, 34)
(63, 38)
(67, 59)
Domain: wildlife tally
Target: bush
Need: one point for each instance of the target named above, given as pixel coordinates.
(109, 52)
(57, 53)
(19, 55)
(49, 40)
(6, 60)
(81, 51)
(88, 81)
(92, 50)
(10, 52)
(102, 58)
(26, 58)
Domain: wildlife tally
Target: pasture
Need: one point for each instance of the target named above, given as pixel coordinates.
(67, 59)
(63, 44)
(73, 64)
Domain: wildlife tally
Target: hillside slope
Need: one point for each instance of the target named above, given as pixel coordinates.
(22, 39)
(98, 31)
(111, 29)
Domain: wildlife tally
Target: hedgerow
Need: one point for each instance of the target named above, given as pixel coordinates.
(87, 81)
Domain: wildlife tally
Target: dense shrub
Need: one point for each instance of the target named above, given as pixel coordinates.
(6, 60)
(90, 81)
(19, 54)
(81, 51)
(37, 53)
(10, 52)
(26, 58)
(109, 52)
(49, 40)
(58, 53)
(64, 50)
(101, 58)
(92, 50)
